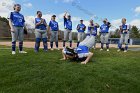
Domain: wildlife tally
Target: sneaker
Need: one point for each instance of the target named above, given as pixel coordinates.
(52, 49)
(107, 50)
(125, 51)
(13, 52)
(22, 52)
(45, 50)
(118, 50)
(101, 49)
(57, 48)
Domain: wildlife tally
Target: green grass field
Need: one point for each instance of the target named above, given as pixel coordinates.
(107, 72)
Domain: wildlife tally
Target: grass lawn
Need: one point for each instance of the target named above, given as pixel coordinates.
(108, 72)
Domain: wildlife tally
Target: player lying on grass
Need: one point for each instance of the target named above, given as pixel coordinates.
(82, 52)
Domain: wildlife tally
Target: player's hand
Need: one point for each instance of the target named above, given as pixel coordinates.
(12, 30)
(42, 21)
(83, 63)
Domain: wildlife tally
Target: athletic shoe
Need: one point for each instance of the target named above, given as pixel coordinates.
(107, 50)
(57, 48)
(118, 50)
(52, 49)
(125, 51)
(22, 52)
(13, 52)
(101, 49)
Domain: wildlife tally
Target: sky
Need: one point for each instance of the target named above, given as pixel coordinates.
(97, 10)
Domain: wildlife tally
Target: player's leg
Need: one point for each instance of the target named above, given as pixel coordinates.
(56, 39)
(70, 38)
(65, 37)
(90, 42)
(102, 42)
(126, 42)
(63, 54)
(14, 38)
(85, 40)
(88, 58)
(44, 39)
(37, 41)
(107, 41)
(21, 38)
(120, 43)
(52, 39)
(79, 38)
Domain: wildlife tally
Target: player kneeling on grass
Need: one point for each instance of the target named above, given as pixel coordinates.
(92, 30)
(82, 52)
(124, 31)
(81, 32)
(104, 31)
(53, 29)
(40, 32)
(17, 25)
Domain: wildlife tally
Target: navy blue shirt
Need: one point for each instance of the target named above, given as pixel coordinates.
(81, 27)
(105, 28)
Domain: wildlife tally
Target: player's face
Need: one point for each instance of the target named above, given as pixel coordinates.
(39, 14)
(123, 21)
(91, 22)
(53, 18)
(81, 22)
(69, 17)
(17, 8)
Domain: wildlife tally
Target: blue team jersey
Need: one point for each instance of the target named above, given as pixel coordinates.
(93, 30)
(17, 19)
(81, 27)
(54, 25)
(41, 26)
(67, 24)
(125, 27)
(104, 28)
(82, 49)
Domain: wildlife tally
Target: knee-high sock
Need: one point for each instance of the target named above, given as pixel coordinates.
(45, 43)
(126, 46)
(51, 44)
(70, 43)
(120, 45)
(78, 44)
(37, 44)
(20, 46)
(64, 43)
(56, 43)
(102, 45)
(107, 45)
(14, 46)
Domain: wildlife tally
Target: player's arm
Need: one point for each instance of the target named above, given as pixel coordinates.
(11, 26)
(78, 28)
(88, 58)
(39, 23)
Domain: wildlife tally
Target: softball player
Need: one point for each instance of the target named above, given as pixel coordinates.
(124, 30)
(40, 32)
(92, 29)
(104, 31)
(17, 23)
(53, 29)
(68, 29)
(82, 52)
(81, 32)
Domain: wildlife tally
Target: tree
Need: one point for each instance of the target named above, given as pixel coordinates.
(134, 33)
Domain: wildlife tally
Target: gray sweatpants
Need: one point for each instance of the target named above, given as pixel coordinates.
(54, 36)
(81, 36)
(89, 41)
(40, 33)
(18, 34)
(67, 34)
(104, 38)
(124, 38)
